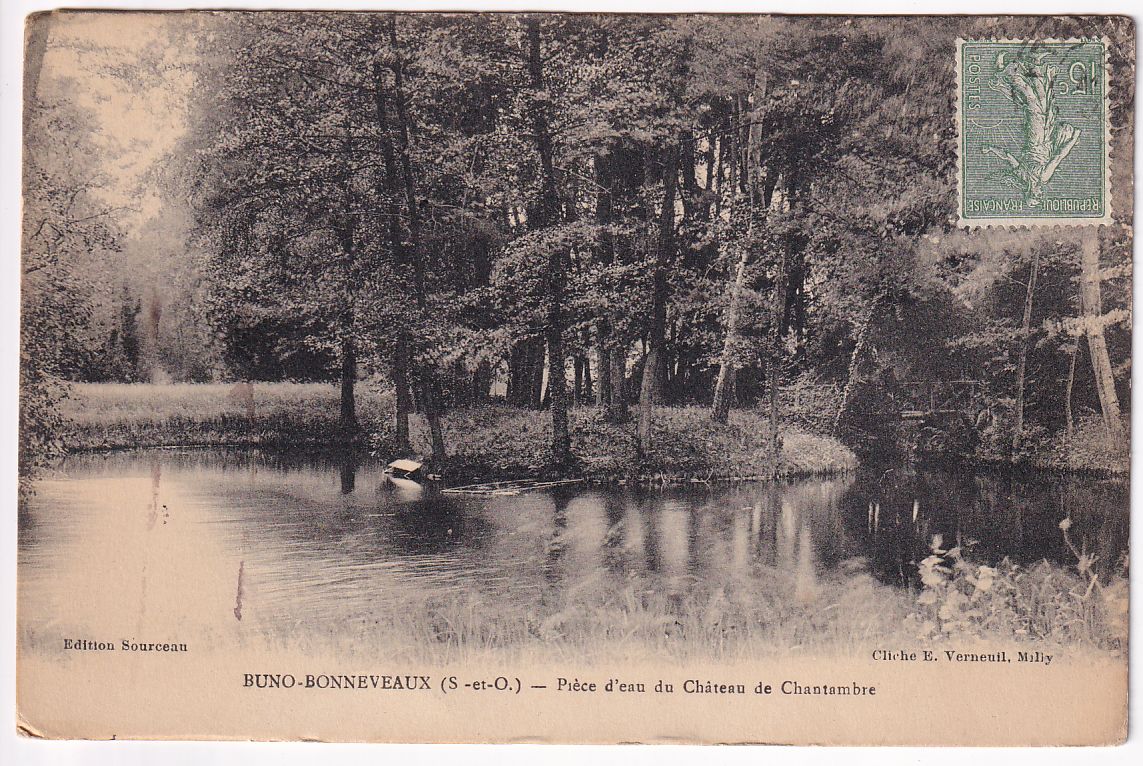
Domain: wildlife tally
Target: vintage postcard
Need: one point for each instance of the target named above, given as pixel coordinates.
(563, 378)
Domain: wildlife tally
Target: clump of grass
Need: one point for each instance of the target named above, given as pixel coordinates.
(767, 613)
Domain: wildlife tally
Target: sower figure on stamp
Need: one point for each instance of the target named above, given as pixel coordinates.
(1030, 84)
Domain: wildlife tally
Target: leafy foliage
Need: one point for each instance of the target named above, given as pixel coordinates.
(962, 600)
(762, 201)
(68, 232)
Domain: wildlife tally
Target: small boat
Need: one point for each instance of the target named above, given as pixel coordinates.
(404, 469)
(404, 475)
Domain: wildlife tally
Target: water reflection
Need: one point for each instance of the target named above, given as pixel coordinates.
(156, 542)
(348, 474)
(989, 515)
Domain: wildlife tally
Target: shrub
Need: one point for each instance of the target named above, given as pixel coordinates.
(960, 599)
(1091, 447)
(811, 406)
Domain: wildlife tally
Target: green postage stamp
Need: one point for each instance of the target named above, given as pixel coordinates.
(1033, 130)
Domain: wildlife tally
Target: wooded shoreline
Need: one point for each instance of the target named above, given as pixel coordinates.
(487, 443)
(491, 442)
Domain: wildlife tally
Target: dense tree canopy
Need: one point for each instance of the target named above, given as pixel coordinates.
(558, 210)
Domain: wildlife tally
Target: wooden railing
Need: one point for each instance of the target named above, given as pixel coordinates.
(940, 397)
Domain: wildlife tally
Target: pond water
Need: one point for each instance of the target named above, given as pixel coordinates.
(184, 540)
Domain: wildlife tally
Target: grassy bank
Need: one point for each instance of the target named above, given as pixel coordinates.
(278, 415)
(487, 442)
(498, 441)
(1091, 447)
(768, 612)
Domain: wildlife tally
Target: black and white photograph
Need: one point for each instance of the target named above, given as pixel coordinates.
(578, 378)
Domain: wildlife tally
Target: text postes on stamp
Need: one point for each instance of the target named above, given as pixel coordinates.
(1033, 144)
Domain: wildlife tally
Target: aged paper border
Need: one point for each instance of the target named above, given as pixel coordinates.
(1033, 221)
(28, 750)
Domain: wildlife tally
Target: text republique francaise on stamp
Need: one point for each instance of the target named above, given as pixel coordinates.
(1033, 130)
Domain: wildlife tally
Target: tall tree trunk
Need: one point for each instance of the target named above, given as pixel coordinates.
(788, 251)
(863, 332)
(584, 388)
(774, 373)
(348, 471)
(775, 442)
(577, 374)
(662, 375)
(588, 392)
(391, 192)
(348, 375)
(403, 396)
(724, 385)
(609, 390)
(348, 420)
(657, 336)
(720, 407)
(619, 384)
(603, 367)
(679, 365)
(536, 375)
(430, 387)
(1069, 420)
(720, 174)
(481, 382)
(1093, 320)
(689, 192)
(548, 214)
(526, 373)
(1022, 358)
